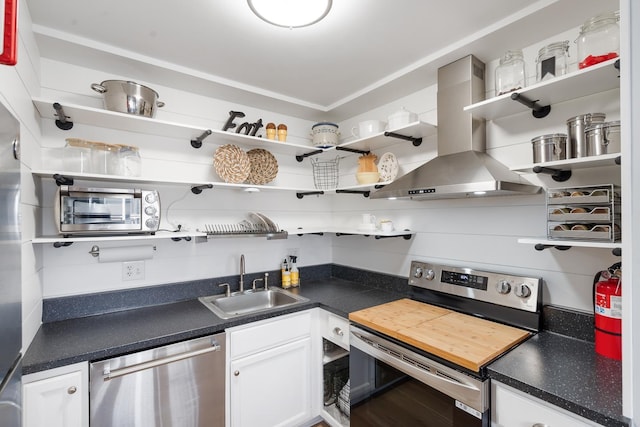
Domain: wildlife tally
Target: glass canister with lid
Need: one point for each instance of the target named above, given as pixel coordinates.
(510, 74)
(552, 60)
(129, 161)
(599, 40)
(102, 155)
(77, 155)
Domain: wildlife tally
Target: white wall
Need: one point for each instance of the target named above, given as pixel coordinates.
(481, 233)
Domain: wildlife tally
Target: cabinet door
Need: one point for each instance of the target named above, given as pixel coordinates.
(511, 408)
(272, 388)
(54, 402)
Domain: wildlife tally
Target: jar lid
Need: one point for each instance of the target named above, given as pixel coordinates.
(77, 142)
(603, 18)
(124, 147)
(562, 46)
(592, 117)
(597, 126)
(103, 146)
(324, 124)
(510, 55)
(549, 136)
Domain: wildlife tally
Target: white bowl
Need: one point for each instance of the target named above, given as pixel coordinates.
(367, 177)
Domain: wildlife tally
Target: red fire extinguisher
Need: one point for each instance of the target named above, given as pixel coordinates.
(607, 294)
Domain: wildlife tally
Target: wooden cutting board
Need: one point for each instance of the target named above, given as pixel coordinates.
(462, 339)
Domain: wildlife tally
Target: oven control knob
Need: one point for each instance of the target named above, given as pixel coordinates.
(522, 290)
(150, 198)
(430, 274)
(150, 210)
(418, 273)
(151, 223)
(503, 287)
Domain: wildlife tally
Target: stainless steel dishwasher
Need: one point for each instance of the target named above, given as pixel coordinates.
(180, 385)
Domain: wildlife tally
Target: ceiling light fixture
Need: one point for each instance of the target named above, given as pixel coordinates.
(290, 13)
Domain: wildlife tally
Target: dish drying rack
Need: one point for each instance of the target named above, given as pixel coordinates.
(258, 225)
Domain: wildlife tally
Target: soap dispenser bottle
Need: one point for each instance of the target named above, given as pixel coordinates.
(286, 275)
(295, 274)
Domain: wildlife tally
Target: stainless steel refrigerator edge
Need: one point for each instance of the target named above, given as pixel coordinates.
(10, 273)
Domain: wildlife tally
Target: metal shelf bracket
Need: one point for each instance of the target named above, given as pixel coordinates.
(353, 150)
(197, 142)
(197, 189)
(404, 236)
(542, 247)
(62, 180)
(62, 121)
(365, 193)
(62, 244)
(558, 175)
(308, 193)
(538, 111)
(415, 141)
(301, 157)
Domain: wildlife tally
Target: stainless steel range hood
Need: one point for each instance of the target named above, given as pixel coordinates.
(462, 168)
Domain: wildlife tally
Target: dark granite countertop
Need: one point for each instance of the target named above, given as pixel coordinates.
(563, 371)
(566, 372)
(108, 335)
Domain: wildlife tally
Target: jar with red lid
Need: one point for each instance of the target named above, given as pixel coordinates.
(599, 40)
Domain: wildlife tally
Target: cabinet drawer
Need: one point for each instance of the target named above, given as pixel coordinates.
(334, 328)
(513, 408)
(259, 336)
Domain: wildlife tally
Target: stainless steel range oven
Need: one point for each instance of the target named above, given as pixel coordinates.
(422, 362)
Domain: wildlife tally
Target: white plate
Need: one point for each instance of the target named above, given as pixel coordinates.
(271, 226)
(258, 221)
(388, 167)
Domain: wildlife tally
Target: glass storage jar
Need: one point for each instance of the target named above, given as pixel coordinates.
(129, 161)
(552, 60)
(510, 74)
(102, 157)
(77, 155)
(599, 40)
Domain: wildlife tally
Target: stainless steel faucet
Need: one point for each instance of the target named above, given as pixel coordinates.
(242, 273)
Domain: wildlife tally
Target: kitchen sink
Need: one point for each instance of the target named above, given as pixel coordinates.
(250, 301)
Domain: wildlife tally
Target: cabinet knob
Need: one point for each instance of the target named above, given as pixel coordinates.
(338, 331)
(236, 373)
(72, 390)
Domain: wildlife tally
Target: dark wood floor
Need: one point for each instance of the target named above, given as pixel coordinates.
(321, 424)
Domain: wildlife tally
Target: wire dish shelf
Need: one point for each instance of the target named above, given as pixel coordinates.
(258, 225)
(325, 173)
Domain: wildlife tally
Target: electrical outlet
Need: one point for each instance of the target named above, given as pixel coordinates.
(133, 270)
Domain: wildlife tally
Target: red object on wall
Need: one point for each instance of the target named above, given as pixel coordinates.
(608, 318)
(9, 33)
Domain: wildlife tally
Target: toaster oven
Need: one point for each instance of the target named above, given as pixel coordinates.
(99, 211)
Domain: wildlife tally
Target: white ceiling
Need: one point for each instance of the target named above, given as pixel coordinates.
(363, 54)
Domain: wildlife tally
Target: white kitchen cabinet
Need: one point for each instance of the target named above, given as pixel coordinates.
(334, 333)
(57, 397)
(334, 328)
(269, 378)
(513, 408)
